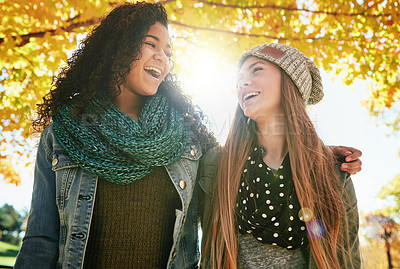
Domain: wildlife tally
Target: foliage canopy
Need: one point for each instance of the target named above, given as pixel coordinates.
(359, 39)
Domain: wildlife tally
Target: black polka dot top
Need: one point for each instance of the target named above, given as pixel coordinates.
(267, 206)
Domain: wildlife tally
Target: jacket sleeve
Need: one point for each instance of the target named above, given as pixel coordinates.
(350, 201)
(352, 222)
(207, 174)
(40, 244)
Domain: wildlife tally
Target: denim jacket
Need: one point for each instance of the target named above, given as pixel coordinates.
(62, 207)
(207, 174)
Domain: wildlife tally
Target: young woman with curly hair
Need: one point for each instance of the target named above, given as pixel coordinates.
(118, 155)
(280, 199)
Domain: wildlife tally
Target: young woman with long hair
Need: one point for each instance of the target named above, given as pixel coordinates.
(118, 155)
(280, 199)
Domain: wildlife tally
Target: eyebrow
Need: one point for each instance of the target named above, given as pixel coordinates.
(156, 38)
(252, 65)
(248, 68)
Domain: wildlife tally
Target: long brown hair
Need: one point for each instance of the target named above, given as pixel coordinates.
(315, 178)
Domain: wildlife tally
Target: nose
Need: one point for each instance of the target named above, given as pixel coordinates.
(161, 56)
(244, 82)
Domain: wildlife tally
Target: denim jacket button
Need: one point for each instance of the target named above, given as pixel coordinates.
(182, 184)
(193, 152)
(85, 197)
(79, 235)
(55, 162)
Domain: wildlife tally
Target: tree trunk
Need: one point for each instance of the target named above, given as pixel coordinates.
(387, 244)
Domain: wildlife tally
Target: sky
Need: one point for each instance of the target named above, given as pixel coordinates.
(340, 119)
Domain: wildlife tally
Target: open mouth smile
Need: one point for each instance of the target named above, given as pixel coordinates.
(250, 95)
(153, 71)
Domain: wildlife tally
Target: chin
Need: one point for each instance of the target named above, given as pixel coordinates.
(248, 113)
(150, 92)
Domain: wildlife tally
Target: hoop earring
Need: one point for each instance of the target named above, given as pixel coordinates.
(251, 127)
(248, 122)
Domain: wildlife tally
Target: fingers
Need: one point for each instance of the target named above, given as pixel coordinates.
(352, 167)
(354, 154)
(340, 151)
(351, 156)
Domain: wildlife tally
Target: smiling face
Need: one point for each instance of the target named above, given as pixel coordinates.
(259, 88)
(148, 72)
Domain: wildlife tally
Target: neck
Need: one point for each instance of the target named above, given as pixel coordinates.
(129, 103)
(271, 135)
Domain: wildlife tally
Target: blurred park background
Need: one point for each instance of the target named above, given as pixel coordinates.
(355, 43)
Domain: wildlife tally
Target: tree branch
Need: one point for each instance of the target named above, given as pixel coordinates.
(69, 28)
(163, 2)
(293, 9)
(236, 33)
(360, 39)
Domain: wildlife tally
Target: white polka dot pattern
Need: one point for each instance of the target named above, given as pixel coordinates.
(267, 204)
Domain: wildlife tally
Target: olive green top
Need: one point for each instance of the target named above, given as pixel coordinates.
(132, 225)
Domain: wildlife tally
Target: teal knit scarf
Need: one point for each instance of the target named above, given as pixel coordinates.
(113, 146)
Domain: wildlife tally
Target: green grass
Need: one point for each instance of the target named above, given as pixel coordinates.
(8, 253)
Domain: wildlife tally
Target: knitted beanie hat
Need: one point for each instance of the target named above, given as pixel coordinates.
(299, 68)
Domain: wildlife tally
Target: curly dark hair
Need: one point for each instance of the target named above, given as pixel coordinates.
(103, 61)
